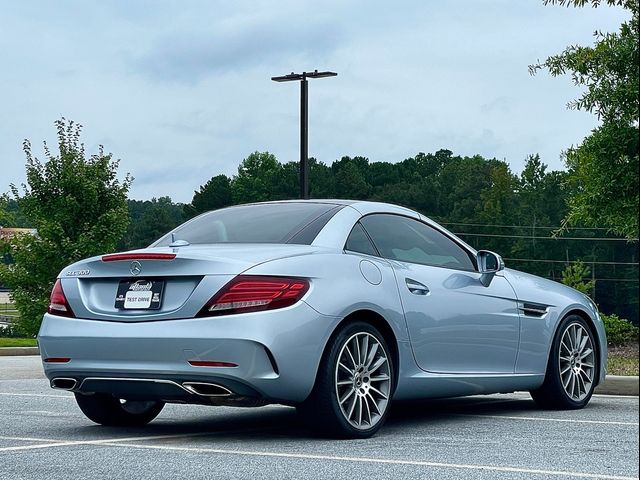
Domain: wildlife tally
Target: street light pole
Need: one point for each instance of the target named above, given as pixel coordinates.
(304, 139)
(304, 122)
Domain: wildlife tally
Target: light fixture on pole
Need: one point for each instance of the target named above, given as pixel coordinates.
(304, 122)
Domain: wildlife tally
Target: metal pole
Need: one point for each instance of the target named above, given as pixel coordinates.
(304, 122)
(304, 139)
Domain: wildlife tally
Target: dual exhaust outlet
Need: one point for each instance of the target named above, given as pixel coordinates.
(62, 383)
(202, 389)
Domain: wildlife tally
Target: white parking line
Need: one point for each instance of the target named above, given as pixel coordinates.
(31, 439)
(125, 442)
(36, 447)
(606, 395)
(544, 419)
(459, 466)
(48, 395)
(110, 441)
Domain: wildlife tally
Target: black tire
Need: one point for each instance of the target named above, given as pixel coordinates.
(552, 394)
(107, 410)
(322, 412)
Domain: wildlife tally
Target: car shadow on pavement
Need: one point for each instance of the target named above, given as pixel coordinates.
(269, 423)
(476, 405)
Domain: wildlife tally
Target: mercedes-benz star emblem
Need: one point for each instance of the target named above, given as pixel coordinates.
(135, 268)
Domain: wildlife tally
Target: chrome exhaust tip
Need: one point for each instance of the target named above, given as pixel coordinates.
(61, 383)
(207, 389)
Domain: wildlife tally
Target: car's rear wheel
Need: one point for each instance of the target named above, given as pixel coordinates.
(572, 367)
(108, 410)
(354, 385)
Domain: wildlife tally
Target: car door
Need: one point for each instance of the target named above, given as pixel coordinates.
(456, 324)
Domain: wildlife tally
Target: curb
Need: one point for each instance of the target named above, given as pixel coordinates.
(618, 385)
(613, 384)
(11, 351)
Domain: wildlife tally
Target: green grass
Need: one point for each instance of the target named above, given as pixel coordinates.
(18, 342)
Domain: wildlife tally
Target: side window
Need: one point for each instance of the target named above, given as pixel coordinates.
(359, 242)
(407, 240)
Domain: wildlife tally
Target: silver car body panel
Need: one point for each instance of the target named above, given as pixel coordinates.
(537, 332)
(462, 338)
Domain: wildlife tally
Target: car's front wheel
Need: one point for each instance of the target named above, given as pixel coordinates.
(354, 385)
(572, 368)
(108, 410)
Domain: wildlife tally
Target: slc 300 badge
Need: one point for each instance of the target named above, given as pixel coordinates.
(77, 273)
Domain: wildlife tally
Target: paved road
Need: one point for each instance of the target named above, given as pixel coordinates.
(44, 435)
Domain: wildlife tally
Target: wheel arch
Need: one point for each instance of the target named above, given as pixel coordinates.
(594, 330)
(381, 324)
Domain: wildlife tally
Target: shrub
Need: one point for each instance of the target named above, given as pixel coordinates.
(619, 330)
(79, 209)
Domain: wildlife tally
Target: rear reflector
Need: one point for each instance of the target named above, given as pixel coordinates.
(248, 293)
(58, 304)
(117, 257)
(57, 360)
(204, 363)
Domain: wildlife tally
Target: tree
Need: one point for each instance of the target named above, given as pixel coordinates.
(6, 219)
(499, 198)
(10, 213)
(79, 208)
(574, 276)
(257, 175)
(320, 178)
(214, 194)
(150, 219)
(350, 180)
(603, 170)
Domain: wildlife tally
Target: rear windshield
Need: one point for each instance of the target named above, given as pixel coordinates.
(261, 223)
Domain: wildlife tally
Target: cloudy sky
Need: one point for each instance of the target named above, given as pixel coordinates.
(180, 91)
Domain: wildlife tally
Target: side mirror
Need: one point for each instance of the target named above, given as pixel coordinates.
(489, 263)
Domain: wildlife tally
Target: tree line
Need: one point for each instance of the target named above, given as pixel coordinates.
(480, 199)
(519, 216)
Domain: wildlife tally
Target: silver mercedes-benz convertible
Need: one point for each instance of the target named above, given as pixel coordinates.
(335, 307)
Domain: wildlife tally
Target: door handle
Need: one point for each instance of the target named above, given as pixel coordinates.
(416, 288)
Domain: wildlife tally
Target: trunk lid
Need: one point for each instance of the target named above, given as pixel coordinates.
(189, 279)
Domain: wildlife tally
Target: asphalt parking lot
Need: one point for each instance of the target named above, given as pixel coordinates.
(43, 435)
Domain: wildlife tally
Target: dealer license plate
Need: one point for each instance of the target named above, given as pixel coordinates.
(139, 294)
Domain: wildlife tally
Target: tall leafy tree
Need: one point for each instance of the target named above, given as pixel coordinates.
(321, 179)
(214, 194)
(79, 208)
(498, 200)
(350, 178)
(603, 170)
(256, 178)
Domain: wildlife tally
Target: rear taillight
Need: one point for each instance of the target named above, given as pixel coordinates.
(248, 293)
(58, 304)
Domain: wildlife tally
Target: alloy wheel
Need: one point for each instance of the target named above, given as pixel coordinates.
(577, 361)
(363, 380)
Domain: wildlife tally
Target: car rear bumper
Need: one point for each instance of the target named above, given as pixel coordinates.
(276, 352)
